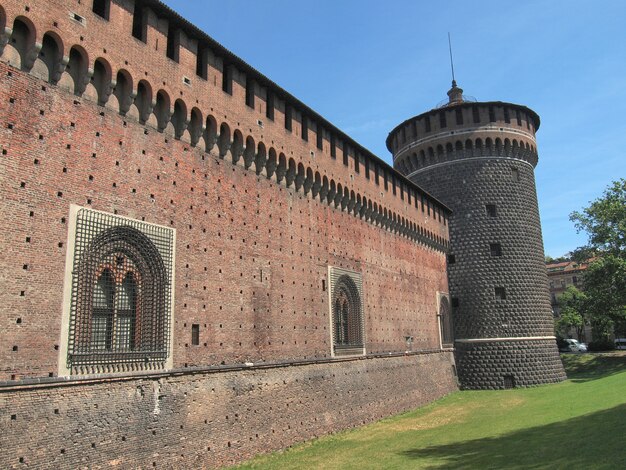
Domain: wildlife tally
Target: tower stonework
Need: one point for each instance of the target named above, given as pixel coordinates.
(479, 159)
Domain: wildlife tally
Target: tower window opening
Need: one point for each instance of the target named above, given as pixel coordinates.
(442, 120)
(491, 210)
(507, 116)
(509, 381)
(357, 163)
(475, 114)
(403, 133)
(518, 116)
(269, 108)
(305, 128)
(346, 150)
(173, 42)
(376, 175)
(227, 79)
(500, 293)
(455, 302)
(492, 114)
(367, 167)
(249, 92)
(320, 137)
(101, 8)
(288, 117)
(201, 63)
(140, 24)
(333, 146)
(451, 259)
(495, 249)
(459, 116)
(427, 123)
(515, 174)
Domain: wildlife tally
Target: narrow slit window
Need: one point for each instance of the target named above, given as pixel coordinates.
(288, 117)
(442, 120)
(269, 111)
(491, 210)
(249, 92)
(346, 151)
(195, 334)
(172, 43)
(227, 79)
(500, 293)
(507, 116)
(333, 147)
(492, 114)
(305, 128)
(201, 63)
(320, 137)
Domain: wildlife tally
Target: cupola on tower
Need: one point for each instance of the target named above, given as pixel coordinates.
(479, 159)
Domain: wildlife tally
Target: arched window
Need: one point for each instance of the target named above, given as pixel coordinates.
(445, 322)
(347, 313)
(121, 294)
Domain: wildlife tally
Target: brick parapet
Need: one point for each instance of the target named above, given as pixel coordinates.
(111, 43)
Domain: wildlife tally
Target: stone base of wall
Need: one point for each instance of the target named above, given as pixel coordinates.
(492, 365)
(209, 418)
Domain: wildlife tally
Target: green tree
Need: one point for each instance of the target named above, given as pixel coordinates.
(605, 278)
(573, 313)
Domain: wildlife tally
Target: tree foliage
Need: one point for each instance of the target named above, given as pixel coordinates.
(573, 313)
(605, 278)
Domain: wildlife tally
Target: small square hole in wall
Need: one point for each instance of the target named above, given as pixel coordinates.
(495, 249)
(500, 293)
(451, 259)
(515, 174)
(491, 210)
(454, 301)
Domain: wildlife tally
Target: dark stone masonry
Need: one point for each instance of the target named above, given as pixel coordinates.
(479, 158)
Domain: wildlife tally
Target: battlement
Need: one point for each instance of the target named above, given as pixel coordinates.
(463, 131)
(143, 61)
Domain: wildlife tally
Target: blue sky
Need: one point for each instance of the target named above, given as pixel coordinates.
(367, 65)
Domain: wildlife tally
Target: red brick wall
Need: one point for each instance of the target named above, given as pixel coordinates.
(60, 149)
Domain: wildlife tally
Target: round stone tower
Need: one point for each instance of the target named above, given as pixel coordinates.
(479, 159)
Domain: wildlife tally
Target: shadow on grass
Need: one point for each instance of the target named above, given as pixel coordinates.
(595, 441)
(585, 367)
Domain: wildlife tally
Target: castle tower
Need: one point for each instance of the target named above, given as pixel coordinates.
(479, 159)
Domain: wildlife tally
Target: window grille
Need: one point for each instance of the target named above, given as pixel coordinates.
(346, 312)
(121, 294)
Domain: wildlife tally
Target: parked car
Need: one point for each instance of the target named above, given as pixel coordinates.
(573, 345)
(620, 343)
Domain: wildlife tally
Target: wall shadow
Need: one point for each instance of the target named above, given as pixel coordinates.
(596, 440)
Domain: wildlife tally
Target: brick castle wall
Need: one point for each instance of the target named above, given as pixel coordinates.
(94, 117)
(209, 420)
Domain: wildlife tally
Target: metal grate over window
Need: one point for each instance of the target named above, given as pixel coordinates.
(346, 311)
(121, 294)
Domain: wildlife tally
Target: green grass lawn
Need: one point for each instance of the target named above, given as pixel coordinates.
(580, 423)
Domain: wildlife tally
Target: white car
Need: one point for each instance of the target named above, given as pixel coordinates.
(573, 345)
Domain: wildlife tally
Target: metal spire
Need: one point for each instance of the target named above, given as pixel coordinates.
(451, 61)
